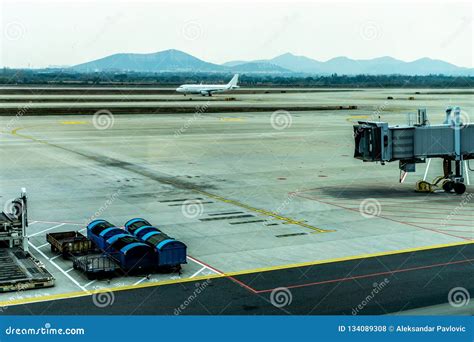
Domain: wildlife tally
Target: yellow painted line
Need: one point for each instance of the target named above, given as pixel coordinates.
(224, 275)
(232, 119)
(216, 197)
(76, 294)
(263, 212)
(349, 258)
(357, 117)
(74, 122)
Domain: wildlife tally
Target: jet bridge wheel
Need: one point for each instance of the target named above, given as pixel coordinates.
(459, 188)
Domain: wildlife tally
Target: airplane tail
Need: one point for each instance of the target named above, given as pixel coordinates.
(233, 82)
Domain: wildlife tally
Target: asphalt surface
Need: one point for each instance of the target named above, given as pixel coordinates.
(374, 285)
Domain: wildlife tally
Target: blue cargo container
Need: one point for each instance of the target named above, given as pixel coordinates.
(132, 254)
(169, 252)
(100, 230)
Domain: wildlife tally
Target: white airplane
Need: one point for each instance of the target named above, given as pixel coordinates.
(208, 89)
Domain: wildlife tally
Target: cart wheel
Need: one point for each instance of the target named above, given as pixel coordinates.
(459, 188)
(74, 265)
(448, 186)
(90, 276)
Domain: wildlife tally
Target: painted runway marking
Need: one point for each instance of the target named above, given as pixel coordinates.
(218, 274)
(90, 283)
(354, 206)
(57, 266)
(202, 192)
(43, 245)
(196, 273)
(47, 229)
(370, 275)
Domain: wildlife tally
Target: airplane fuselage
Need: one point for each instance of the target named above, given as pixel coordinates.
(208, 89)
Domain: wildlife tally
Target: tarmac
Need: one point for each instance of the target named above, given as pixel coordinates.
(247, 192)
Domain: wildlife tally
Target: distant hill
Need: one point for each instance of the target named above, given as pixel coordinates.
(259, 67)
(375, 66)
(178, 61)
(168, 60)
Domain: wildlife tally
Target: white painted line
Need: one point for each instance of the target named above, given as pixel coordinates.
(71, 223)
(206, 266)
(195, 274)
(32, 222)
(427, 169)
(81, 230)
(140, 281)
(43, 245)
(69, 270)
(45, 230)
(59, 268)
(55, 257)
(466, 168)
(90, 283)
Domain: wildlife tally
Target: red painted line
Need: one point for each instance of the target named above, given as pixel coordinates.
(420, 206)
(427, 218)
(386, 218)
(196, 260)
(439, 224)
(371, 275)
(222, 273)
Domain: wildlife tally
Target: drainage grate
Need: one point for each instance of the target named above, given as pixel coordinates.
(288, 235)
(226, 217)
(243, 222)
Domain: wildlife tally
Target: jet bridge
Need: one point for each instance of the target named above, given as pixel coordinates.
(452, 141)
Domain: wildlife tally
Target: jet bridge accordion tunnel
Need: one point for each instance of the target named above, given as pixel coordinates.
(452, 141)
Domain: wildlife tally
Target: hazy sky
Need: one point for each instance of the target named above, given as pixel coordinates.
(39, 33)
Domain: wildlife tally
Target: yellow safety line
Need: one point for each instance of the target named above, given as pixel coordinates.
(216, 197)
(263, 212)
(230, 274)
(349, 258)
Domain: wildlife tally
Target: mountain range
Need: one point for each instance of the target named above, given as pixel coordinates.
(286, 64)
